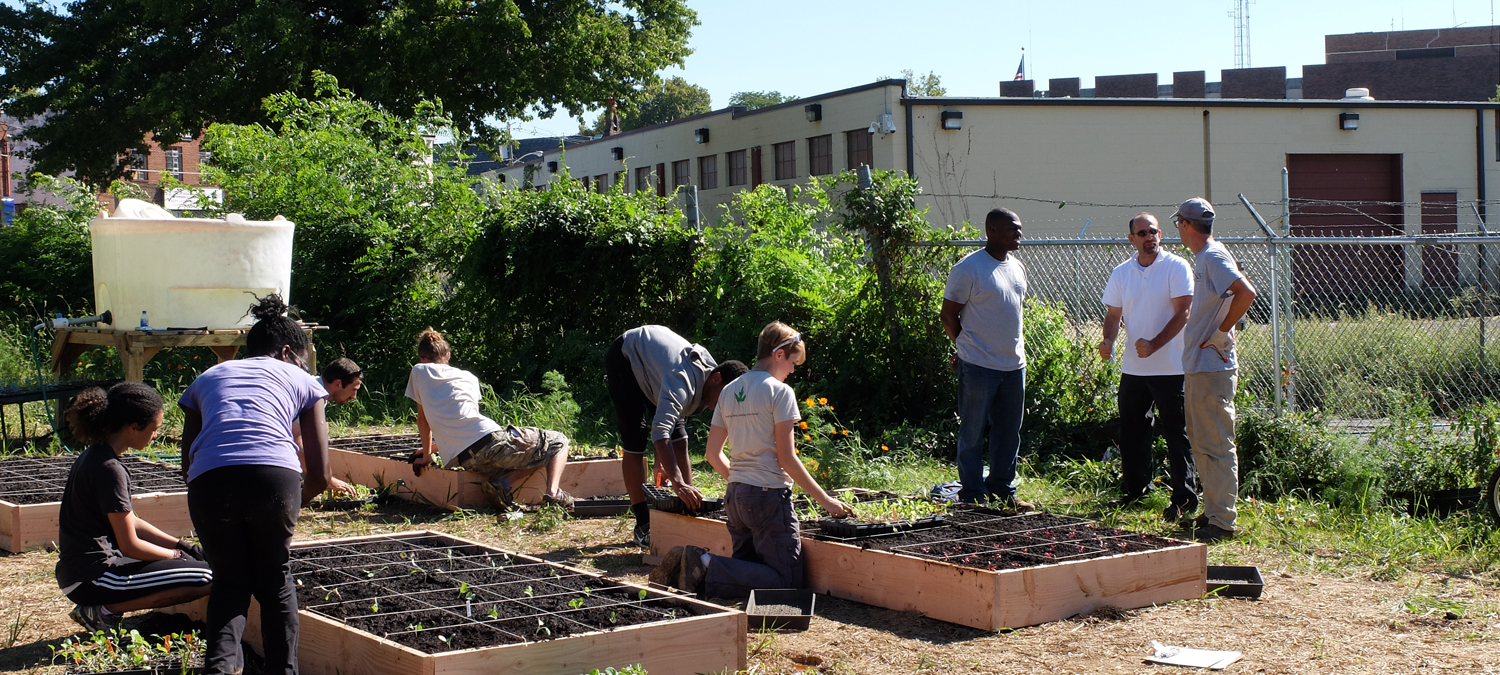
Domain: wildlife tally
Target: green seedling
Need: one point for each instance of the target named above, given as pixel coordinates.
(444, 638)
(588, 592)
(415, 627)
(494, 613)
(642, 594)
(375, 607)
(575, 603)
(612, 617)
(527, 591)
(542, 628)
(463, 588)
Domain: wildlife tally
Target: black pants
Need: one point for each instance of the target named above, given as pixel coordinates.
(633, 409)
(245, 516)
(1138, 429)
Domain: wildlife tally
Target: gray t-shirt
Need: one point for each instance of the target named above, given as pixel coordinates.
(749, 408)
(670, 372)
(991, 292)
(1214, 271)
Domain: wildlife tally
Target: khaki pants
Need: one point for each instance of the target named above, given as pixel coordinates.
(1208, 404)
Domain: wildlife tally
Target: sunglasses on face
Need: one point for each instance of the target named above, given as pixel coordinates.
(1149, 232)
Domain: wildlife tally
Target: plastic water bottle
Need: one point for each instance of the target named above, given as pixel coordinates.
(144, 325)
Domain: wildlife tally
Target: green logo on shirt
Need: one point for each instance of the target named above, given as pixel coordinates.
(740, 397)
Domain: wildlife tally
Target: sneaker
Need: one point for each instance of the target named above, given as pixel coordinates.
(92, 618)
(642, 535)
(693, 571)
(1209, 534)
(562, 499)
(1200, 522)
(669, 569)
(497, 492)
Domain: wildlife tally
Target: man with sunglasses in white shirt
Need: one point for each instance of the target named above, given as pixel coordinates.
(1151, 294)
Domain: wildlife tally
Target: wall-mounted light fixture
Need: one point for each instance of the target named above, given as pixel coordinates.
(1348, 121)
(814, 112)
(551, 167)
(701, 135)
(953, 119)
(617, 152)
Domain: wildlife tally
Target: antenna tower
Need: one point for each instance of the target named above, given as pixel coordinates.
(1241, 15)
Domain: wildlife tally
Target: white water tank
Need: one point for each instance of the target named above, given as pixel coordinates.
(186, 272)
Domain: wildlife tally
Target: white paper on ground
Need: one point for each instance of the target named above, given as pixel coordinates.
(1191, 658)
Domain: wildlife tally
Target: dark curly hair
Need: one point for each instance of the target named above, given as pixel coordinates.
(273, 329)
(96, 414)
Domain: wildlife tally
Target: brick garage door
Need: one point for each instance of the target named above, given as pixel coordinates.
(1346, 195)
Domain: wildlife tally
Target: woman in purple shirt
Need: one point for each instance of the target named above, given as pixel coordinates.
(246, 486)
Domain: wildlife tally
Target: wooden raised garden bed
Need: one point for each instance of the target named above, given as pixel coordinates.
(31, 490)
(381, 461)
(421, 603)
(983, 569)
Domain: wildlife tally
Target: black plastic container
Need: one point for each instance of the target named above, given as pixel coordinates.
(663, 499)
(803, 599)
(600, 508)
(848, 529)
(1236, 581)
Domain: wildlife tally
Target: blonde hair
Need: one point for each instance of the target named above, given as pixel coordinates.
(431, 345)
(775, 336)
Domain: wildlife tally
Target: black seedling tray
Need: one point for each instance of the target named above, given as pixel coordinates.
(346, 504)
(1236, 581)
(663, 499)
(1442, 502)
(851, 529)
(804, 599)
(599, 508)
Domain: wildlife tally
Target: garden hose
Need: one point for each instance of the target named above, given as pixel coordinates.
(36, 361)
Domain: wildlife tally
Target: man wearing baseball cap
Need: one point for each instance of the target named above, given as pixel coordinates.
(1221, 295)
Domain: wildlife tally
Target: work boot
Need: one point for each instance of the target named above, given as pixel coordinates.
(1211, 533)
(642, 535)
(497, 493)
(562, 499)
(669, 569)
(693, 571)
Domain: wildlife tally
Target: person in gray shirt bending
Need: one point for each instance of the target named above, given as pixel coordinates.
(1221, 296)
(657, 380)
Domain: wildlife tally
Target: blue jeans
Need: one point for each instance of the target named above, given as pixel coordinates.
(995, 399)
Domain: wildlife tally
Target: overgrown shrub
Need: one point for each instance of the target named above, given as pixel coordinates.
(1070, 392)
(1298, 453)
(1418, 456)
(48, 254)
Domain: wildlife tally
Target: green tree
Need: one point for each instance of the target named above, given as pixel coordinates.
(755, 100)
(107, 72)
(923, 85)
(378, 228)
(673, 99)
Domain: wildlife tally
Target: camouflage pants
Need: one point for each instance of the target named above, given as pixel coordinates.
(512, 449)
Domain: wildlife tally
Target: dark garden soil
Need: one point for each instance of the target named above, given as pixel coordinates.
(402, 446)
(39, 480)
(430, 595)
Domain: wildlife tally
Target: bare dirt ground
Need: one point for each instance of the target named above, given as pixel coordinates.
(1303, 623)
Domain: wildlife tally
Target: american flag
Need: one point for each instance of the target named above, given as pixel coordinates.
(1021, 69)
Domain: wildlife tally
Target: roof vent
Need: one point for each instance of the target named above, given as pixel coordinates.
(1357, 94)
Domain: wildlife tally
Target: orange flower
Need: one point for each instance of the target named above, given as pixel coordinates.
(806, 437)
(809, 401)
(802, 424)
(846, 432)
(822, 401)
(830, 408)
(884, 449)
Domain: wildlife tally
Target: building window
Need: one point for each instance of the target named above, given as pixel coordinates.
(620, 180)
(708, 172)
(736, 167)
(681, 173)
(204, 158)
(642, 179)
(785, 155)
(586, 185)
(860, 150)
(820, 155)
(601, 183)
(174, 162)
(138, 166)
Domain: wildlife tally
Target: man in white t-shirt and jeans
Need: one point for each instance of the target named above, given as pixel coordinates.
(1151, 294)
(981, 314)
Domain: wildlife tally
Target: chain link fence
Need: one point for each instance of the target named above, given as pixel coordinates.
(1351, 325)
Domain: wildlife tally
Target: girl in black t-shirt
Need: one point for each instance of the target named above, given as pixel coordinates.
(109, 561)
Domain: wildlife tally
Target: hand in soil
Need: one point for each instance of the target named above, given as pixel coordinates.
(837, 509)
